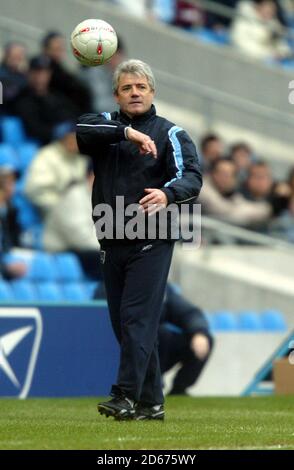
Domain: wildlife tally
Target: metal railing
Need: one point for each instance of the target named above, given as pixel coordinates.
(245, 235)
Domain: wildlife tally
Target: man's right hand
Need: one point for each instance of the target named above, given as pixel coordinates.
(144, 142)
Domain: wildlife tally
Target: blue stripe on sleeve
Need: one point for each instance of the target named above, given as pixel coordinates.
(107, 116)
(177, 153)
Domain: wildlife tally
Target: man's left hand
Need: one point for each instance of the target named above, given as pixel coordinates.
(154, 201)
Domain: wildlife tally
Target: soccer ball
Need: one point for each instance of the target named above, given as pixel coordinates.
(93, 42)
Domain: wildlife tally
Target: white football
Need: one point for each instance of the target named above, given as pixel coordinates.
(93, 42)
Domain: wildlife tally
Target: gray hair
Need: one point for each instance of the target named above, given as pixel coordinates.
(136, 67)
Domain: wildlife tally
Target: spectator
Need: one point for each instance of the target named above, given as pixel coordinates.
(57, 184)
(12, 75)
(99, 81)
(257, 31)
(62, 81)
(259, 184)
(220, 198)
(212, 148)
(9, 229)
(283, 226)
(217, 20)
(242, 156)
(184, 337)
(139, 8)
(188, 15)
(39, 108)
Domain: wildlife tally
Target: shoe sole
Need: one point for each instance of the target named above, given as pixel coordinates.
(151, 418)
(107, 411)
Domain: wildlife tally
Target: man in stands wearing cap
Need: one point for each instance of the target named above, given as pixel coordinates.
(39, 108)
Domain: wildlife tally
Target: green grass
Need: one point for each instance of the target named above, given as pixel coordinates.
(191, 423)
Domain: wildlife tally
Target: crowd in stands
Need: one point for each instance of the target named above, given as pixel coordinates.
(260, 29)
(45, 184)
(239, 188)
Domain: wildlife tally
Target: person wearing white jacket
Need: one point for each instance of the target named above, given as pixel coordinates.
(257, 32)
(57, 184)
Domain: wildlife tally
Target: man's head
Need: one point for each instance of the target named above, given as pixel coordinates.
(65, 134)
(14, 56)
(266, 9)
(260, 181)
(241, 153)
(133, 87)
(224, 176)
(40, 74)
(53, 45)
(212, 148)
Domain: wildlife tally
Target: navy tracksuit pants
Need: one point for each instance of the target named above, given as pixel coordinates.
(135, 278)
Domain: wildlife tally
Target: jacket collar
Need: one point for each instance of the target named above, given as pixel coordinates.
(140, 118)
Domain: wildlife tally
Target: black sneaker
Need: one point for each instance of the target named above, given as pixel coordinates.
(121, 408)
(149, 412)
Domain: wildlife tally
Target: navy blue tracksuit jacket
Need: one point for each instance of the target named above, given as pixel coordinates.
(135, 271)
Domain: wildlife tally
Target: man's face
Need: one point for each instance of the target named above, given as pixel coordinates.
(260, 181)
(56, 49)
(134, 95)
(224, 177)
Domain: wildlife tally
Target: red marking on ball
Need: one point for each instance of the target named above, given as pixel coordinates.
(100, 48)
(77, 53)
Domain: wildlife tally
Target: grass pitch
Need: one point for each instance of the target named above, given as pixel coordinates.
(191, 423)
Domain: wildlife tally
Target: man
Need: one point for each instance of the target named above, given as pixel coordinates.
(184, 338)
(151, 163)
(12, 75)
(39, 108)
(62, 81)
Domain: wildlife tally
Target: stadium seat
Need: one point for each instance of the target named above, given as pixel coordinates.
(94, 288)
(13, 131)
(42, 268)
(220, 38)
(249, 321)
(49, 292)
(68, 267)
(75, 291)
(27, 213)
(273, 320)
(24, 291)
(223, 321)
(6, 293)
(26, 153)
(8, 157)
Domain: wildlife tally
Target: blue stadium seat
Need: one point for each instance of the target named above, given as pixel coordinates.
(92, 287)
(24, 291)
(273, 320)
(27, 213)
(224, 321)
(13, 131)
(8, 157)
(68, 267)
(220, 38)
(42, 268)
(6, 293)
(49, 292)
(249, 321)
(75, 291)
(26, 153)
